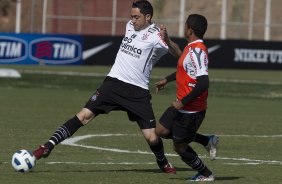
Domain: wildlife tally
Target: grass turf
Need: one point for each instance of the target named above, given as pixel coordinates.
(244, 110)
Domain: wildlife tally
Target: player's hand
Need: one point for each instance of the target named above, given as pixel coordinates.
(177, 104)
(160, 85)
(164, 34)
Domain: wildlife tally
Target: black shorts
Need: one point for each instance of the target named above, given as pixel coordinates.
(117, 95)
(183, 126)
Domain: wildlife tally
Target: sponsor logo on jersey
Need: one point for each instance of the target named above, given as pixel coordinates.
(129, 48)
(191, 85)
(12, 49)
(54, 50)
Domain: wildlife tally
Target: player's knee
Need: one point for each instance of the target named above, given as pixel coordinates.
(85, 116)
(162, 132)
(152, 139)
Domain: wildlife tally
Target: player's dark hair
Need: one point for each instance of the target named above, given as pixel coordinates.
(198, 23)
(144, 6)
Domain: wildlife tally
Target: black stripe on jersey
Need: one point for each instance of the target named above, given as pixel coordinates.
(148, 58)
(153, 29)
(198, 55)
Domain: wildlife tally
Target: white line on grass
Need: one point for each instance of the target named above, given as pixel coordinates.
(74, 142)
(93, 74)
(255, 136)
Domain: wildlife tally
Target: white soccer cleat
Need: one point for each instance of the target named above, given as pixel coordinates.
(200, 177)
(212, 146)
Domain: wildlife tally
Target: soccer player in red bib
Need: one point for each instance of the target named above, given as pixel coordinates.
(183, 118)
(126, 85)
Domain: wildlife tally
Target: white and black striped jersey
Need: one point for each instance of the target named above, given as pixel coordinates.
(138, 53)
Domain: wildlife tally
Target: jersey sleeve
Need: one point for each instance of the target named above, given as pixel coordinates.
(200, 61)
(160, 48)
(128, 25)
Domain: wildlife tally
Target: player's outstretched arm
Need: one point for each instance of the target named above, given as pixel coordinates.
(161, 83)
(173, 48)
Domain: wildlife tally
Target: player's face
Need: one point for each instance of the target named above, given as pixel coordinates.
(139, 20)
(188, 31)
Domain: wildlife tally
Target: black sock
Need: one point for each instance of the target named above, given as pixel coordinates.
(158, 151)
(191, 158)
(64, 132)
(202, 139)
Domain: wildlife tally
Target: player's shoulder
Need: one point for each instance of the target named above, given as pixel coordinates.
(129, 25)
(154, 32)
(153, 29)
(198, 45)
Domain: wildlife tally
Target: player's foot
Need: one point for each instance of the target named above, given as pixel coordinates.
(200, 177)
(42, 151)
(167, 168)
(212, 146)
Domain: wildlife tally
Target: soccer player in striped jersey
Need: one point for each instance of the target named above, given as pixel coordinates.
(126, 85)
(183, 118)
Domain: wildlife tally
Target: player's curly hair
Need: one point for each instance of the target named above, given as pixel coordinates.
(144, 6)
(198, 23)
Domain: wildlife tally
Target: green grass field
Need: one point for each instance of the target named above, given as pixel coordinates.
(244, 110)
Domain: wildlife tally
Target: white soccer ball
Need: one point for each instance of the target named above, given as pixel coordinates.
(23, 161)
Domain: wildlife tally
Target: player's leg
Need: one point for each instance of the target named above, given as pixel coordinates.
(137, 103)
(147, 126)
(63, 132)
(184, 130)
(94, 106)
(210, 143)
(156, 146)
(162, 131)
(163, 128)
(190, 157)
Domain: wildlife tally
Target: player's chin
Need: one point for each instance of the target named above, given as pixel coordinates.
(136, 28)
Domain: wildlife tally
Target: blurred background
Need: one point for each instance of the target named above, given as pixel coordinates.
(242, 34)
(228, 19)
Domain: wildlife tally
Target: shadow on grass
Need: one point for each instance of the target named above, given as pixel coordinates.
(226, 178)
(109, 170)
(173, 177)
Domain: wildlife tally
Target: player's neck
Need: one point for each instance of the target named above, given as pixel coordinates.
(146, 26)
(192, 38)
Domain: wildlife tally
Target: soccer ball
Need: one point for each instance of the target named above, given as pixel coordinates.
(23, 161)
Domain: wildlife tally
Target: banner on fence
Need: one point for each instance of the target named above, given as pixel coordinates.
(40, 49)
(54, 49)
(222, 53)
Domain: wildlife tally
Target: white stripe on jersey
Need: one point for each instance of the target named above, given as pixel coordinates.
(196, 62)
(138, 53)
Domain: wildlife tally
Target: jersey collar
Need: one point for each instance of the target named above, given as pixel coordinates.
(199, 40)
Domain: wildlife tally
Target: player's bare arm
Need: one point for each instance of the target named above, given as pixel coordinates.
(173, 48)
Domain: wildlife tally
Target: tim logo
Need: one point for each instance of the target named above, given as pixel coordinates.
(12, 49)
(55, 50)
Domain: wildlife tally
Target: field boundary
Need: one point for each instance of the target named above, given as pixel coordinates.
(73, 141)
(93, 74)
